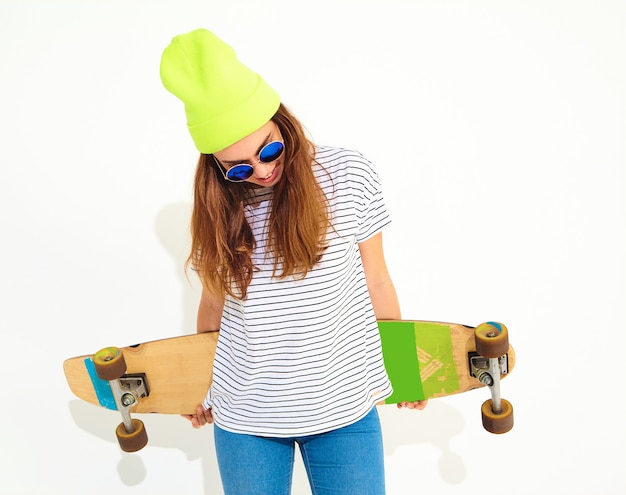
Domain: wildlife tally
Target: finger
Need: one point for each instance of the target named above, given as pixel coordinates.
(208, 415)
(419, 405)
(200, 416)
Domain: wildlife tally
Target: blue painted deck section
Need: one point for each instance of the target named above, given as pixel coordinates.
(102, 387)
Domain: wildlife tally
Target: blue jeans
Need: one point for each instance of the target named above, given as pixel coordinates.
(345, 461)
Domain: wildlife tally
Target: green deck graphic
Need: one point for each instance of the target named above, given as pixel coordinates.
(419, 360)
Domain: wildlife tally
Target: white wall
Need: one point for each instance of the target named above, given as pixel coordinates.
(498, 128)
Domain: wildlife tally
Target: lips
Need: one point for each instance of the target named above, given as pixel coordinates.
(269, 177)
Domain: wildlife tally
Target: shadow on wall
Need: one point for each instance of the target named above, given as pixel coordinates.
(165, 431)
(172, 230)
(435, 425)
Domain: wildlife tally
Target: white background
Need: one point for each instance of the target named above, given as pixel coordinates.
(498, 128)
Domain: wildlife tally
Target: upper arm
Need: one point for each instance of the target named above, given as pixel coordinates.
(373, 259)
(379, 284)
(209, 312)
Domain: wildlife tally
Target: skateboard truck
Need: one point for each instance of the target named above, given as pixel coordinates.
(135, 385)
(127, 389)
(480, 369)
(488, 364)
(488, 371)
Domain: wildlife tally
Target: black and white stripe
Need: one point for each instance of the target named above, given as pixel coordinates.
(302, 356)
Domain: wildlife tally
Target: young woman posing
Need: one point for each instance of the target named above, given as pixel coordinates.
(286, 239)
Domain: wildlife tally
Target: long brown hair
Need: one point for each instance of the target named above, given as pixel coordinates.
(222, 240)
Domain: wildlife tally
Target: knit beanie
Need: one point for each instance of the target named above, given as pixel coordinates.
(224, 100)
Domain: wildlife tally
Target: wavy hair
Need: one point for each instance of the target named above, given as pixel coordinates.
(222, 240)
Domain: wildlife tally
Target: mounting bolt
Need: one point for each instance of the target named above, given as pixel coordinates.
(486, 378)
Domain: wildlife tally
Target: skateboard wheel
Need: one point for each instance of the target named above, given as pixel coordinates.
(497, 422)
(109, 363)
(492, 340)
(134, 441)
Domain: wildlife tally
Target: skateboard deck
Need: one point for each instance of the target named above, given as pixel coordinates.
(423, 359)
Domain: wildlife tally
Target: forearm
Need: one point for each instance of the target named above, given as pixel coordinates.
(385, 300)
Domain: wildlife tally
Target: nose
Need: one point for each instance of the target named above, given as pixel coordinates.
(262, 170)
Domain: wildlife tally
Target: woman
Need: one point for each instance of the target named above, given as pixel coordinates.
(286, 239)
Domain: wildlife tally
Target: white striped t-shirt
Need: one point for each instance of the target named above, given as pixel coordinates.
(303, 356)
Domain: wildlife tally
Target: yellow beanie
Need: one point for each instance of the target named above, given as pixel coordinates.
(224, 100)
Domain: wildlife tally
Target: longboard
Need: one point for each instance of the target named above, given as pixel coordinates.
(424, 360)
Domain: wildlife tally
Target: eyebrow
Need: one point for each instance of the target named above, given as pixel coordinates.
(258, 151)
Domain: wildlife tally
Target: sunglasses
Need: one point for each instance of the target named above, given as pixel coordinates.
(243, 171)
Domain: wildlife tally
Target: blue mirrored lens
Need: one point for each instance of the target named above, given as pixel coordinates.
(239, 172)
(271, 151)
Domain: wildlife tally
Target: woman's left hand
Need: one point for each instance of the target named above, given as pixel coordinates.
(419, 405)
(202, 417)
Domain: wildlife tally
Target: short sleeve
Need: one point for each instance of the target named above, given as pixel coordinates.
(372, 214)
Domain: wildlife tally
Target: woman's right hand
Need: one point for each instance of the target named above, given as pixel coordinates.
(201, 418)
